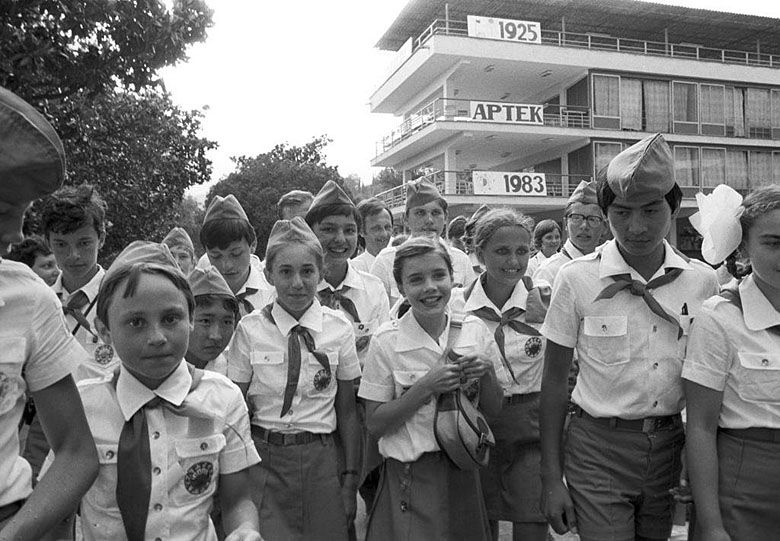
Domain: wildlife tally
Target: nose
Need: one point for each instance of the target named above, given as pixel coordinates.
(340, 237)
(73, 253)
(297, 281)
(156, 335)
(215, 332)
(635, 223)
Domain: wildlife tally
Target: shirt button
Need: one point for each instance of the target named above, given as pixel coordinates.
(290, 412)
(109, 454)
(156, 435)
(655, 328)
(655, 366)
(404, 507)
(158, 507)
(204, 446)
(765, 362)
(157, 471)
(655, 403)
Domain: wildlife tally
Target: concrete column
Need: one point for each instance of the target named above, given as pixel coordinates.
(450, 177)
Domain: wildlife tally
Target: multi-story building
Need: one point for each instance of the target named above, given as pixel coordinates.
(489, 90)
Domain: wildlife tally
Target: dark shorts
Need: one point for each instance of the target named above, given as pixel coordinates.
(619, 480)
(749, 487)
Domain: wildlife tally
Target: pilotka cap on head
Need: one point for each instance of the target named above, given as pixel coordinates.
(143, 251)
(420, 192)
(331, 195)
(208, 282)
(584, 193)
(225, 208)
(643, 172)
(32, 158)
(471, 223)
(179, 238)
(296, 231)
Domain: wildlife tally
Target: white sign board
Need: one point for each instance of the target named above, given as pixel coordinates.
(506, 29)
(509, 183)
(510, 113)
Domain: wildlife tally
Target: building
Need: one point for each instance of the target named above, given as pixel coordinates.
(486, 90)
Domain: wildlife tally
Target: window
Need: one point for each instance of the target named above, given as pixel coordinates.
(686, 110)
(686, 166)
(713, 166)
(775, 114)
(760, 168)
(757, 113)
(737, 169)
(656, 105)
(606, 101)
(735, 111)
(713, 119)
(604, 152)
(631, 104)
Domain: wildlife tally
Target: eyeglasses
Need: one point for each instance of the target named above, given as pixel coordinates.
(577, 219)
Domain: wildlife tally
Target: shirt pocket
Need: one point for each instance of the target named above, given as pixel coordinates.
(404, 379)
(760, 380)
(103, 492)
(12, 384)
(606, 339)
(319, 382)
(269, 372)
(198, 459)
(363, 332)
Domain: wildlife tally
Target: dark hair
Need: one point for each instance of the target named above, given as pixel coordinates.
(221, 233)
(319, 213)
(542, 228)
(371, 207)
(130, 276)
(756, 204)
(498, 218)
(418, 246)
(457, 227)
(28, 250)
(606, 196)
(210, 299)
(71, 208)
(293, 199)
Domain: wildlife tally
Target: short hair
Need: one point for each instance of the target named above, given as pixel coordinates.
(316, 215)
(273, 250)
(28, 250)
(498, 218)
(756, 204)
(542, 228)
(371, 207)
(606, 196)
(210, 299)
(417, 246)
(130, 276)
(221, 233)
(71, 208)
(294, 198)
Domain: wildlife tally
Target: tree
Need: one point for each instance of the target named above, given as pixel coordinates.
(386, 179)
(258, 182)
(189, 215)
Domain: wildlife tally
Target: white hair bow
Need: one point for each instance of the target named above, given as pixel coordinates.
(718, 223)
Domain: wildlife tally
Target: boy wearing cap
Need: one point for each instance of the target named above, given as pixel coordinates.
(39, 354)
(585, 224)
(376, 229)
(170, 437)
(426, 216)
(294, 203)
(230, 242)
(626, 309)
(180, 244)
(215, 318)
(296, 362)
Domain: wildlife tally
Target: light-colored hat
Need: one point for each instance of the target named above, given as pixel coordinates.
(291, 231)
(584, 193)
(330, 195)
(32, 158)
(225, 208)
(295, 197)
(179, 238)
(142, 251)
(643, 172)
(208, 282)
(420, 192)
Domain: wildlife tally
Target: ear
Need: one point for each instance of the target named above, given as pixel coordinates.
(478, 251)
(102, 329)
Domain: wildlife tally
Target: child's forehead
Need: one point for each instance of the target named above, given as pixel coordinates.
(83, 228)
(426, 261)
(295, 254)
(338, 219)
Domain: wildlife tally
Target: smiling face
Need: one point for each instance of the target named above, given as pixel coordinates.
(638, 227)
(338, 236)
(377, 230)
(149, 330)
(426, 282)
(584, 235)
(233, 262)
(213, 328)
(76, 253)
(505, 255)
(46, 267)
(550, 243)
(762, 246)
(427, 220)
(295, 275)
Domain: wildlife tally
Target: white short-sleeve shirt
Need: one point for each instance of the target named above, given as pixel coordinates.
(733, 351)
(258, 355)
(549, 268)
(630, 358)
(363, 262)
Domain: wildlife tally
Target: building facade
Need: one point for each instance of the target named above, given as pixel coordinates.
(514, 102)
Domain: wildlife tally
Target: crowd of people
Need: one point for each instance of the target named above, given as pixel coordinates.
(232, 397)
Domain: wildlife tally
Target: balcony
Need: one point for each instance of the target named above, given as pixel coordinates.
(607, 43)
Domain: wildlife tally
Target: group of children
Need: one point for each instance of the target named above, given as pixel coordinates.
(234, 398)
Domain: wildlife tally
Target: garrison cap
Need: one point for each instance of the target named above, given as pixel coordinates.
(643, 172)
(291, 231)
(142, 251)
(420, 192)
(32, 158)
(225, 208)
(179, 238)
(331, 195)
(295, 197)
(456, 226)
(208, 282)
(471, 223)
(584, 193)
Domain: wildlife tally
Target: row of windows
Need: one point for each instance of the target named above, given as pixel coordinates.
(685, 107)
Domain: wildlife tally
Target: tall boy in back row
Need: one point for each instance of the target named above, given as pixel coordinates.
(626, 309)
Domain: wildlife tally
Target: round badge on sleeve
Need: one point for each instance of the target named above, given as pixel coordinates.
(198, 477)
(322, 379)
(533, 346)
(103, 354)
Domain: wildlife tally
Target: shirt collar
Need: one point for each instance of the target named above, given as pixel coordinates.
(132, 395)
(612, 262)
(572, 250)
(311, 318)
(90, 289)
(255, 280)
(479, 298)
(757, 311)
(412, 337)
(352, 280)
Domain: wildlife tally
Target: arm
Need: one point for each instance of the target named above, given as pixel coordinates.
(556, 503)
(239, 514)
(349, 433)
(704, 406)
(73, 471)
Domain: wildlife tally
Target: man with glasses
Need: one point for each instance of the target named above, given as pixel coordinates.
(584, 224)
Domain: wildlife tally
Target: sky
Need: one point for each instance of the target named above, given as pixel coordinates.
(275, 71)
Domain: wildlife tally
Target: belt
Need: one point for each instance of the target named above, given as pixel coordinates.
(8, 510)
(511, 400)
(648, 424)
(285, 439)
(755, 433)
